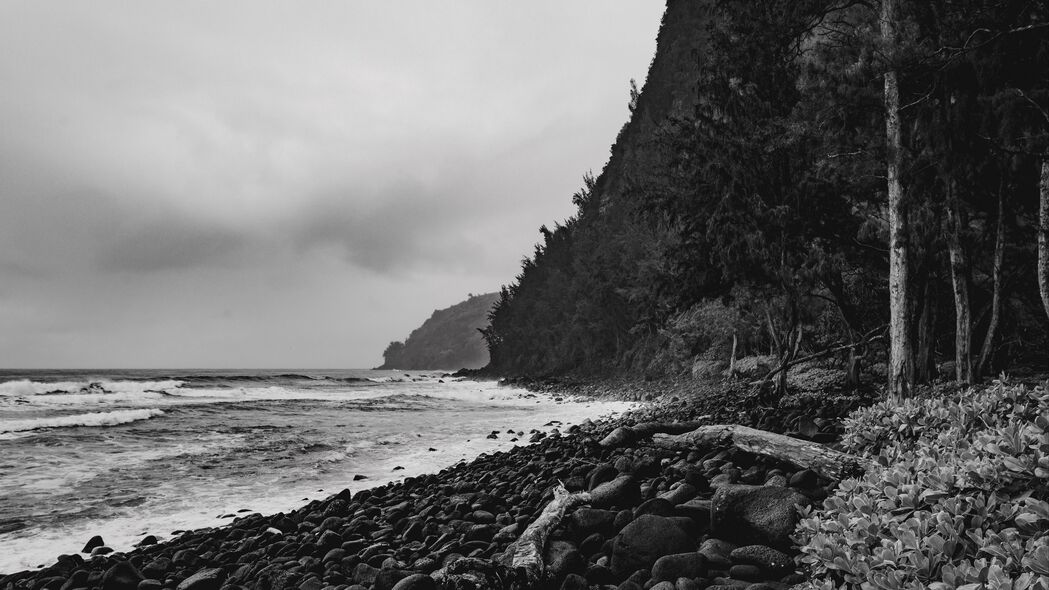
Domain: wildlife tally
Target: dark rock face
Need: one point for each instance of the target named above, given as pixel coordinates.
(645, 540)
(756, 514)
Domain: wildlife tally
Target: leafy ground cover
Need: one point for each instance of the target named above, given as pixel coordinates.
(956, 497)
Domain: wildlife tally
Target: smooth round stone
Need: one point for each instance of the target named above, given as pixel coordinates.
(416, 582)
(772, 562)
(747, 572)
(681, 565)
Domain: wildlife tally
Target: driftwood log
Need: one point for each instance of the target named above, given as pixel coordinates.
(527, 550)
(625, 435)
(523, 567)
(800, 453)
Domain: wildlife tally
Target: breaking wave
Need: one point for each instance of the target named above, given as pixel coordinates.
(90, 419)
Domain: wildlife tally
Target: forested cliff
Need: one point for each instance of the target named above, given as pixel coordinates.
(449, 339)
(745, 208)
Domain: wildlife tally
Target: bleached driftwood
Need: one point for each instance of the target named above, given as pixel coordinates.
(628, 434)
(528, 549)
(801, 453)
(523, 566)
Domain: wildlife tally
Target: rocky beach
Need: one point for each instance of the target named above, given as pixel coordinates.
(712, 517)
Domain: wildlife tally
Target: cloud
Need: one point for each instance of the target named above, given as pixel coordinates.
(398, 231)
(327, 174)
(171, 245)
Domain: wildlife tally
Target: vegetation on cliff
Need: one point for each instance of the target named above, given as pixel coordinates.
(449, 339)
(745, 208)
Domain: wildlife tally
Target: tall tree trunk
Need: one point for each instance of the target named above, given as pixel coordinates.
(901, 362)
(960, 281)
(996, 297)
(924, 357)
(1043, 235)
(732, 358)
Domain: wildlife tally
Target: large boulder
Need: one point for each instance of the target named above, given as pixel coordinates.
(756, 514)
(645, 540)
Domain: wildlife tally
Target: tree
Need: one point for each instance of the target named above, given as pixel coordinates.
(1043, 234)
(901, 355)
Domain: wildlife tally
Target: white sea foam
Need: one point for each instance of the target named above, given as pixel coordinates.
(25, 387)
(89, 419)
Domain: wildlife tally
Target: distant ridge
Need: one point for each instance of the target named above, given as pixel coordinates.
(449, 339)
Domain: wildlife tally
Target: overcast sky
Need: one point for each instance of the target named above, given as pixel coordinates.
(263, 184)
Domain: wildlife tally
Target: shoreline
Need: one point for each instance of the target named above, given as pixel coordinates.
(425, 456)
(374, 537)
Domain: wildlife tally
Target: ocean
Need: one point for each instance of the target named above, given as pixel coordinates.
(125, 454)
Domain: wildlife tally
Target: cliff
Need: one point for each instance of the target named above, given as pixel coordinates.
(449, 339)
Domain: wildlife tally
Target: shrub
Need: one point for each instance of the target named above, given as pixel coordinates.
(955, 499)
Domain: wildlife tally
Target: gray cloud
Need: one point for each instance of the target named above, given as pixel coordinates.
(263, 183)
(171, 245)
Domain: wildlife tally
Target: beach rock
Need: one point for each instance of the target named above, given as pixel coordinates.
(150, 584)
(756, 514)
(679, 565)
(416, 582)
(772, 562)
(574, 582)
(645, 540)
(599, 575)
(586, 521)
(93, 542)
(563, 558)
(621, 491)
(158, 568)
(121, 576)
(656, 506)
(387, 579)
(600, 474)
(687, 584)
(746, 571)
(776, 481)
(592, 544)
(664, 585)
(77, 579)
(806, 478)
(697, 510)
(209, 578)
(717, 552)
(364, 574)
(681, 494)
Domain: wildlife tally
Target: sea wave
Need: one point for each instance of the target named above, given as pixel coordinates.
(26, 388)
(90, 419)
